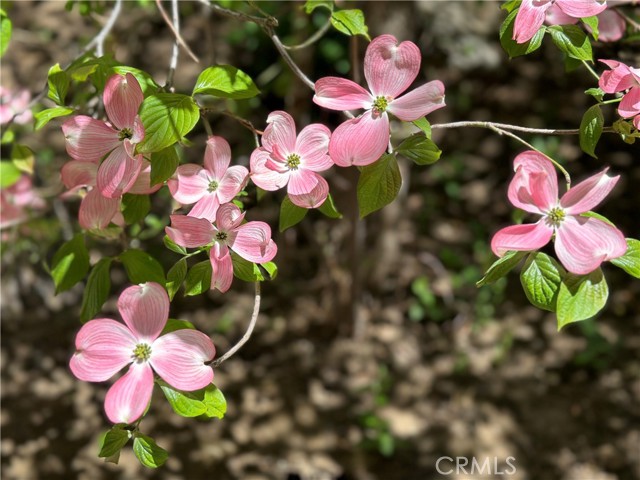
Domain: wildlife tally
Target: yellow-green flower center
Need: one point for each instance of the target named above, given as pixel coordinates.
(556, 216)
(221, 236)
(293, 161)
(142, 352)
(125, 133)
(213, 186)
(380, 104)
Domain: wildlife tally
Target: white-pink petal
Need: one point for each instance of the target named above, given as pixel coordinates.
(391, 68)
(534, 187)
(617, 79)
(588, 193)
(529, 19)
(122, 99)
(142, 185)
(205, 208)
(97, 211)
(360, 141)
(79, 174)
(190, 184)
(582, 8)
(217, 156)
(630, 104)
(582, 244)
(234, 180)
(307, 189)
(229, 217)
(145, 310)
(128, 398)
(253, 242)
(418, 102)
(118, 173)
(263, 176)
(179, 358)
(190, 232)
(312, 146)
(281, 131)
(88, 139)
(103, 348)
(221, 268)
(341, 94)
(525, 237)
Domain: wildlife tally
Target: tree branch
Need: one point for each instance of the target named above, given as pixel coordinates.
(176, 47)
(98, 40)
(179, 39)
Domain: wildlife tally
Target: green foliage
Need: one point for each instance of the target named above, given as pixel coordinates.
(311, 5)
(378, 185)
(175, 277)
(630, 261)
(148, 452)
(513, 48)
(97, 289)
(163, 164)
(290, 214)
(541, 278)
(173, 246)
(350, 22)
(5, 32)
(167, 117)
(198, 279)
(173, 325)
(329, 209)
(571, 40)
(113, 441)
(419, 149)
(591, 129)
(70, 263)
(58, 82)
(592, 22)
(23, 158)
(208, 401)
(45, 116)
(581, 297)
(252, 272)
(9, 174)
(424, 125)
(501, 267)
(135, 207)
(142, 267)
(227, 82)
(596, 93)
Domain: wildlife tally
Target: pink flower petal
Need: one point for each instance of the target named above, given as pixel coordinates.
(636, 122)
(526, 237)
(307, 189)
(97, 211)
(234, 180)
(529, 19)
(206, 208)
(222, 268)
(264, 177)
(534, 188)
(103, 348)
(281, 131)
(617, 79)
(192, 182)
(145, 310)
(418, 102)
(582, 8)
(122, 99)
(178, 357)
(88, 139)
(313, 147)
(229, 217)
(190, 232)
(582, 244)
(588, 193)
(391, 68)
(217, 156)
(142, 185)
(118, 173)
(360, 141)
(630, 104)
(611, 26)
(341, 94)
(253, 242)
(79, 174)
(128, 398)
(555, 16)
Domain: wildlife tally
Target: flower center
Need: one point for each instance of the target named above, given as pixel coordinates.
(142, 352)
(213, 186)
(556, 216)
(125, 133)
(293, 161)
(380, 104)
(221, 236)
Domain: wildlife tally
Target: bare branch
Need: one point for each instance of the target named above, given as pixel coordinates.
(176, 47)
(98, 40)
(179, 39)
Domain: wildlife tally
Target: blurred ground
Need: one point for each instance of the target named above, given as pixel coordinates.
(375, 354)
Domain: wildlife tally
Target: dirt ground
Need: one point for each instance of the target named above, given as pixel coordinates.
(374, 354)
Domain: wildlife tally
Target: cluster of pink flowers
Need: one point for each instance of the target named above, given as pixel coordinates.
(622, 78)
(581, 243)
(15, 104)
(16, 200)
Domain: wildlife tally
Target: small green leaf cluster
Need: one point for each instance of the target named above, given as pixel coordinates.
(350, 22)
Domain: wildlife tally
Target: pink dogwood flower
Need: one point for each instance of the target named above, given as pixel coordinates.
(389, 69)
(611, 25)
(532, 13)
(620, 78)
(251, 241)
(581, 243)
(211, 186)
(88, 139)
(105, 346)
(16, 199)
(287, 159)
(15, 103)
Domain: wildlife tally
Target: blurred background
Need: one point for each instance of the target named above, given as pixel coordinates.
(374, 354)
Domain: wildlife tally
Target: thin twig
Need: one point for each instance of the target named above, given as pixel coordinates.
(176, 47)
(287, 58)
(628, 19)
(207, 125)
(312, 39)
(263, 22)
(98, 40)
(247, 334)
(516, 128)
(179, 38)
(591, 70)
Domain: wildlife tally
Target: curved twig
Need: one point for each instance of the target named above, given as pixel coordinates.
(312, 39)
(98, 40)
(176, 32)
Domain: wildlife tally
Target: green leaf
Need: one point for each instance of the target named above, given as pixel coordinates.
(596, 93)
(173, 246)
(142, 267)
(164, 164)
(198, 279)
(9, 174)
(167, 117)
(591, 129)
(513, 48)
(45, 116)
(207, 401)
(173, 325)
(97, 289)
(311, 5)
(70, 263)
(113, 441)
(540, 278)
(571, 40)
(175, 277)
(501, 267)
(227, 82)
(23, 158)
(419, 149)
(148, 452)
(598, 216)
(135, 207)
(350, 22)
(58, 82)
(378, 185)
(592, 23)
(5, 32)
(290, 214)
(630, 261)
(424, 125)
(581, 297)
(329, 209)
(214, 401)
